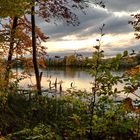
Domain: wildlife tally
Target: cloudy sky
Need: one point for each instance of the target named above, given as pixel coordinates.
(119, 35)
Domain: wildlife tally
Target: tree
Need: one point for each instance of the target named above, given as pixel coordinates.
(34, 50)
(71, 60)
(135, 22)
(22, 42)
(14, 10)
(11, 46)
(20, 37)
(58, 9)
(125, 53)
(10, 8)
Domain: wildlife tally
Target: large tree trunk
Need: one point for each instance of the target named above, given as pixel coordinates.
(36, 69)
(11, 48)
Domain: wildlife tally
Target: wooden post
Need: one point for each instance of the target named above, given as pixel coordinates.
(60, 88)
(55, 84)
(29, 96)
(40, 76)
(50, 85)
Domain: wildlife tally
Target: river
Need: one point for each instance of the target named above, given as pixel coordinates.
(75, 77)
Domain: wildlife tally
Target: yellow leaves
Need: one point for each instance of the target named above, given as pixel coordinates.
(3, 98)
(128, 59)
(133, 71)
(2, 38)
(71, 60)
(41, 35)
(2, 73)
(42, 63)
(27, 63)
(14, 75)
(81, 131)
(128, 106)
(2, 138)
(76, 119)
(12, 8)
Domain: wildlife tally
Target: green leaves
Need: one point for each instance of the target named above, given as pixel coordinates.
(10, 8)
(39, 132)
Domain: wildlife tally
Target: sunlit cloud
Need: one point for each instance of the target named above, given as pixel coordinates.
(109, 41)
(120, 14)
(119, 39)
(70, 37)
(119, 35)
(69, 45)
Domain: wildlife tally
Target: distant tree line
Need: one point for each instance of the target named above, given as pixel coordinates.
(126, 61)
(71, 61)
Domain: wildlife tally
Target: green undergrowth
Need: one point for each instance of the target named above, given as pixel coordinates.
(68, 117)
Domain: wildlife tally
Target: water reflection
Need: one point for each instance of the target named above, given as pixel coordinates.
(66, 72)
(78, 78)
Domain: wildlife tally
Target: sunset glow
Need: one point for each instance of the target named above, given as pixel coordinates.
(119, 35)
(72, 43)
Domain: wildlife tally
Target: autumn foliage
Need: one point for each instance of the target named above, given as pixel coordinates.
(135, 22)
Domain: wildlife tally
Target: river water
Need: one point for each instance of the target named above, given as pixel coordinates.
(69, 77)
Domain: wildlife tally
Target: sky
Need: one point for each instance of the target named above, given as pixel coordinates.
(119, 35)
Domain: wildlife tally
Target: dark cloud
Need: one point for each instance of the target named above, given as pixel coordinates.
(111, 51)
(115, 17)
(70, 52)
(89, 24)
(122, 5)
(118, 25)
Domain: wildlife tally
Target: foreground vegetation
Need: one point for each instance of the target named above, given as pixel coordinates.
(75, 115)
(65, 118)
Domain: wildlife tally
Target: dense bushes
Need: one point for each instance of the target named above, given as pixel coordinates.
(67, 117)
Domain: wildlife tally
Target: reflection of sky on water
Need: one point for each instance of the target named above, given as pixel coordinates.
(80, 78)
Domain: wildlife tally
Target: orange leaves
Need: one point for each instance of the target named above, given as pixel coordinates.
(22, 41)
(128, 106)
(41, 35)
(133, 71)
(42, 63)
(136, 24)
(60, 10)
(27, 62)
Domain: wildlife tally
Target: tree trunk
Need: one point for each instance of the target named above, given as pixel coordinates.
(11, 49)
(36, 69)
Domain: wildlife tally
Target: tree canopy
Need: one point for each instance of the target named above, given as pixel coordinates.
(10, 8)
